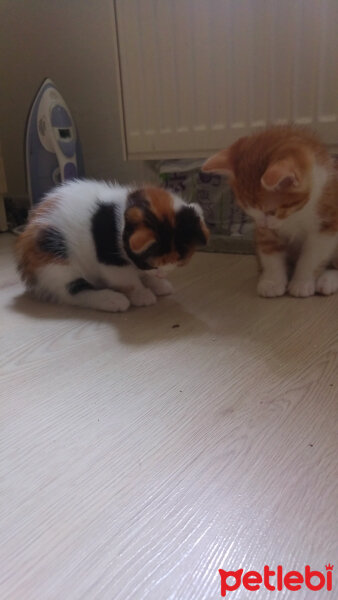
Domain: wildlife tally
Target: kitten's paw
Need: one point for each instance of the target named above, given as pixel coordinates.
(160, 287)
(120, 304)
(109, 301)
(302, 288)
(327, 283)
(270, 288)
(142, 297)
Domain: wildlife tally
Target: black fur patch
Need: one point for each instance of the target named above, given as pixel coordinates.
(188, 231)
(105, 233)
(138, 199)
(52, 241)
(78, 285)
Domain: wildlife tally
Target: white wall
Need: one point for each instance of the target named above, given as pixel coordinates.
(72, 42)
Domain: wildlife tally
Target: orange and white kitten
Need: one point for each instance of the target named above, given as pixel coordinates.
(284, 178)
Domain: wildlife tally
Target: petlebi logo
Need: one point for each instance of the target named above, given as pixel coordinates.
(278, 579)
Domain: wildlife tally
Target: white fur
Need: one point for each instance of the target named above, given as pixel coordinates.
(273, 281)
(327, 283)
(121, 286)
(160, 286)
(302, 230)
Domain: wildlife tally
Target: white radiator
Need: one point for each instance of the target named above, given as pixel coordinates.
(197, 74)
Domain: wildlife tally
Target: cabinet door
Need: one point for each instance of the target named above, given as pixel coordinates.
(197, 74)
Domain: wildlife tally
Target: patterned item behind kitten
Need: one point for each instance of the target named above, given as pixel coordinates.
(286, 181)
(231, 230)
(105, 246)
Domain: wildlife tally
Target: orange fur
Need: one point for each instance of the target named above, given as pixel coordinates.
(141, 239)
(271, 171)
(328, 207)
(29, 255)
(281, 175)
(168, 259)
(134, 214)
(268, 240)
(160, 203)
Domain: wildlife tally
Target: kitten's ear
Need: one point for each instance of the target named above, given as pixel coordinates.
(197, 208)
(134, 215)
(219, 163)
(205, 233)
(141, 240)
(281, 176)
(203, 239)
(202, 233)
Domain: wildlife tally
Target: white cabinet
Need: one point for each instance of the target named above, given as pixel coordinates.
(197, 74)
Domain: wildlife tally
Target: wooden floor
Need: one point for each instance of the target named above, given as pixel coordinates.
(141, 452)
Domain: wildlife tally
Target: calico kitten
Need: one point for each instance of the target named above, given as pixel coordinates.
(105, 246)
(285, 180)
